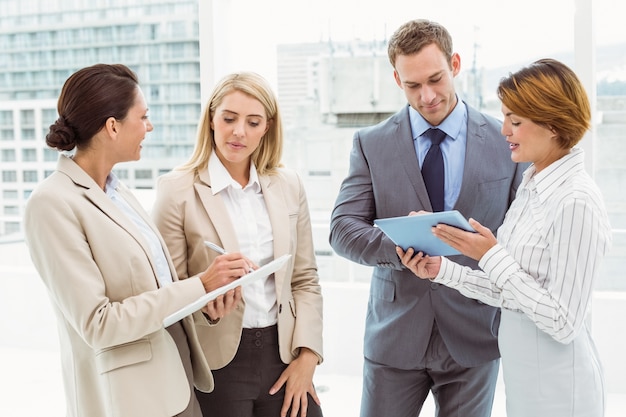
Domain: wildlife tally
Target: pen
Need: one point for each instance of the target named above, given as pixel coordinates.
(219, 250)
(216, 248)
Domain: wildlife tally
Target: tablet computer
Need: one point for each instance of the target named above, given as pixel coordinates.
(263, 272)
(415, 231)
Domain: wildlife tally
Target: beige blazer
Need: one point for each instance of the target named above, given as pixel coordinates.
(187, 213)
(117, 358)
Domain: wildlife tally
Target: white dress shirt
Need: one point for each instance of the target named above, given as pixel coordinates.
(549, 249)
(452, 149)
(248, 214)
(164, 274)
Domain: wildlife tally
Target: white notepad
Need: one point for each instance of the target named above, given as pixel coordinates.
(263, 272)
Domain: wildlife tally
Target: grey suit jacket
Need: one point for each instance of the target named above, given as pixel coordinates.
(118, 359)
(385, 180)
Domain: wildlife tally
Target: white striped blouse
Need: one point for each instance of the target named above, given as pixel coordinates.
(549, 250)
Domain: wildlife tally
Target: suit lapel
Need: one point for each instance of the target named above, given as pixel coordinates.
(130, 198)
(474, 158)
(402, 138)
(278, 212)
(216, 210)
(98, 198)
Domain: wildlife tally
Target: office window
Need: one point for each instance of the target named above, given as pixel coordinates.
(128, 32)
(6, 118)
(9, 194)
(27, 193)
(11, 227)
(27, 118)
(143, 174)
(6, 134)
(9, 176)
(129, 53)
(11, 210)
(48, 172)
(48, 116)
(122, 174)
(50, 155)
(8, 155)
(28, 134)
(30, 176)
(29, 155)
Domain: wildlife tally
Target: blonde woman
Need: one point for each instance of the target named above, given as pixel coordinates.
(233, 192)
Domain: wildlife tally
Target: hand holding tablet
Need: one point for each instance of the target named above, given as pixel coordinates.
(415, 231)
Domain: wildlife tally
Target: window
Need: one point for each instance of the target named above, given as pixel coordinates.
(9, 176)
(9, 194)
(50, 155)
(28, 134)
(11, 210)
(27, 117)
(122, 174)
(29, 155)
(6, 118)
(48, 116)
(8, 155)
(11, 227)
(143, 174)
(6, 135)
(30, 176)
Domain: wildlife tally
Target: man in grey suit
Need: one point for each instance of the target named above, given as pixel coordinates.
(421, 336)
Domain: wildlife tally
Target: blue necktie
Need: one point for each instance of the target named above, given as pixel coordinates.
(432, 169)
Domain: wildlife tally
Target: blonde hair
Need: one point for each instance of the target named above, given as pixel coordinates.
(268, 155)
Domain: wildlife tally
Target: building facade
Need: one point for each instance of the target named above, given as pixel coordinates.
(43, 42)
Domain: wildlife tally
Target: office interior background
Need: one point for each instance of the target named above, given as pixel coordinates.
(329, 83)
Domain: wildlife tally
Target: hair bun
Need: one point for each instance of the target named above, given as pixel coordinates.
(61, 135)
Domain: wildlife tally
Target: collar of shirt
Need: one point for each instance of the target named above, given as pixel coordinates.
(221, 179)
(111, 184)
(551, 177)
(452, 124)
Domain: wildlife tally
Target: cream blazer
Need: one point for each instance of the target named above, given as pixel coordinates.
(117, 358)
(187, 213)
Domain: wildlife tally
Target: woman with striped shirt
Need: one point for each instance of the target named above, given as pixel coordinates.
(542, 268)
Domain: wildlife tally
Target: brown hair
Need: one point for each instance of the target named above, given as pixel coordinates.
(414, 35)
(88, 98)
(550, 94)
(267, 156)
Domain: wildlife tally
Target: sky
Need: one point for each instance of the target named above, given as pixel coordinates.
(504, 31)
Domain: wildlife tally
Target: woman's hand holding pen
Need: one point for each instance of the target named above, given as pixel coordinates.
(223, 270)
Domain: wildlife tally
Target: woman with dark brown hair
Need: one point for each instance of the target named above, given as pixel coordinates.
(109, 276)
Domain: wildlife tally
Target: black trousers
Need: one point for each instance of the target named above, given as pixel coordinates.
(242, 387)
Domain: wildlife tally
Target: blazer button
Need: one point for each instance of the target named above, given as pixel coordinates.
(434, 285)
